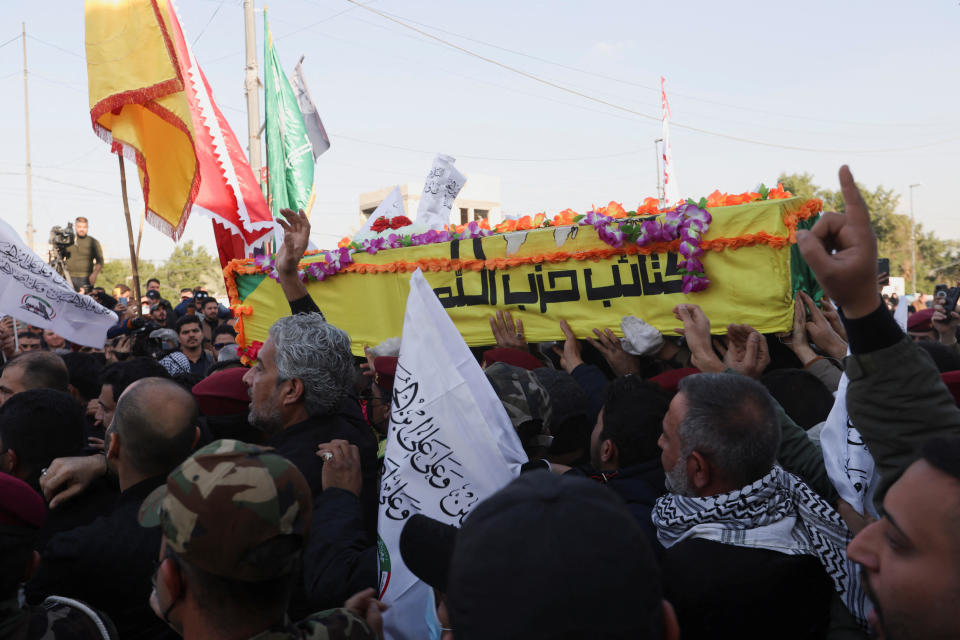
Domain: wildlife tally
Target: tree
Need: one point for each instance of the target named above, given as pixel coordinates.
(188, 266)
(937, 259)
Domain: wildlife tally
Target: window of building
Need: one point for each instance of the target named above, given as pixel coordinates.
(366, 213)
(481, 214)
(464, 215)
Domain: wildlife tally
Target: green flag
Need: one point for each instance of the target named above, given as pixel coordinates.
(289, 153)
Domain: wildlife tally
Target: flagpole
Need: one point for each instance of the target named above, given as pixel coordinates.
(133, 254)
(656, 157)
(143, 219)
(252, 88)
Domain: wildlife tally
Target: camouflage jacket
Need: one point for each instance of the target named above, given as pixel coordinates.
(334, 624)
(55, 619)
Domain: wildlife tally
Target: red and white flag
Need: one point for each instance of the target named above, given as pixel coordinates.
(229, 192)
(670, 191)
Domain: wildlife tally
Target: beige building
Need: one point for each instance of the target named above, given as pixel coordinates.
(479, 199)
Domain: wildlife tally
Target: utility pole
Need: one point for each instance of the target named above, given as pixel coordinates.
(252, 87)
(26, 130)
(660, 190)
(913, 240)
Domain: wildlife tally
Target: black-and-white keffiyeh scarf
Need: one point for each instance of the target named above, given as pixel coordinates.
(778, 512)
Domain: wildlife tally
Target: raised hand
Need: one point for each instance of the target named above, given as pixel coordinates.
(696, 329)
(842, 252)
(621, 362)
(296, 239)
(747, 351)
(506, 332)
(820, 331)
(570, 354)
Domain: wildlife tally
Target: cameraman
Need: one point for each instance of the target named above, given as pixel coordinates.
(86, 257)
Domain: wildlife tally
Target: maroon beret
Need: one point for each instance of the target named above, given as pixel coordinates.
(223, 393)
(20, 505)
(384, 370)
(514, 357)
(952, 380)
(670, 380)
(921, 320)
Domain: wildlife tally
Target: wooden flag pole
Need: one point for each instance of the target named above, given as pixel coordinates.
(143, 219)
(133, 254)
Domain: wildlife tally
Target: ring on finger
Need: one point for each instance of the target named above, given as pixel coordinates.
(327, 456)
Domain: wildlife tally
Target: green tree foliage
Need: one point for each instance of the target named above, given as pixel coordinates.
(937, 258)
(188, 266)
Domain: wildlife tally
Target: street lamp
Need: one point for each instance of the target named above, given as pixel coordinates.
(913, 240)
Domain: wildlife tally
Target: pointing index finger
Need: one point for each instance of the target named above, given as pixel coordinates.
(854, 205)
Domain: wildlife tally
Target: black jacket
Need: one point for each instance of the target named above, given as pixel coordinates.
(724, 591)
(108, 564)
(639, 485)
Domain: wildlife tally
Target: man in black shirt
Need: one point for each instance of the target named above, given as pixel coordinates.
(109, 562)
(86, 257)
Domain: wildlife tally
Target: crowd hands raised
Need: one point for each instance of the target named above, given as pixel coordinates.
(676, 486)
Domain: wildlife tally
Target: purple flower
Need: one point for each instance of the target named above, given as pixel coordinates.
(653, 231)
(692, 284)
(430, 237)
(394, 241)
(611, 234)
(373, 245)
(595, 220)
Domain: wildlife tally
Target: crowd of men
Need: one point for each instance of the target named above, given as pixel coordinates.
(679, 488)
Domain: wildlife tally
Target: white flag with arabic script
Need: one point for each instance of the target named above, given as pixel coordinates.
(440, 189)
(32, 292)
(450, 445)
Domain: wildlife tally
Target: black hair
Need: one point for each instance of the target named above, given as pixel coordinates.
(943, 453)
(943, 356)
(190, 318)
(801, 394)
(84, 372)
(122, 374)
(185, 289)
(223, 329)
(633, 419)
(732, 421)
(41, 425)
(42, 370)
(152, 280)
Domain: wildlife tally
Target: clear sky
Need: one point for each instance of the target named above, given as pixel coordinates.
(847, 79)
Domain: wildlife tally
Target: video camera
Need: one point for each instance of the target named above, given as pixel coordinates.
(141, 344)
(61, 238)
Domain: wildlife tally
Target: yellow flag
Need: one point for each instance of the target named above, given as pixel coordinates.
(138, 102)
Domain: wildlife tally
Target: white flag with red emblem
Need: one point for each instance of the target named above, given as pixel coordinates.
(450, 445)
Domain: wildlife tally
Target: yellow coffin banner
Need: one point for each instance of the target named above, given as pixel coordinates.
(545, 275)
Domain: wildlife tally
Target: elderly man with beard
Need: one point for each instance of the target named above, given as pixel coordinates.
(751, 550)
(301, 386)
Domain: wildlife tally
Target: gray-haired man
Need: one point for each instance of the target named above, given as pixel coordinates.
(299, 398)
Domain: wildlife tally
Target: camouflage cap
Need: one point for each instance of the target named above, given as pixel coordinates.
(522, 395)
(220, 507)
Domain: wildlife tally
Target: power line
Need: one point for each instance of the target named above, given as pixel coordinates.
(76, 186)
(640, 114)
(633, 83)
(13, 39)
(55, 46)
(472, 157)
(212, 16)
